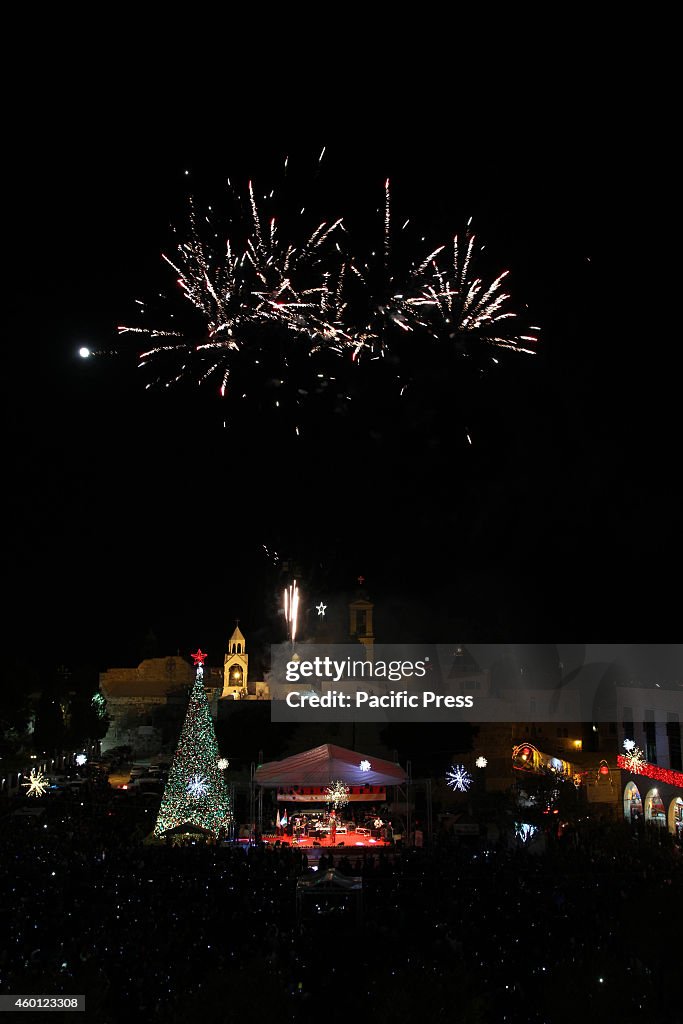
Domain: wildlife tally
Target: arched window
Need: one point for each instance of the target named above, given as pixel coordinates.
(633, 805)
(676, 817)
(654, 808)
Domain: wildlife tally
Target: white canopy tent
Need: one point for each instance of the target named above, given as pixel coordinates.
(323, 765)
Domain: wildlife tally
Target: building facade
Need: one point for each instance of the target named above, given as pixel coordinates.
(652, 780)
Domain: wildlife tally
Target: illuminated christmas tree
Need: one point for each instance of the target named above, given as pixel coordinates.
(196, 792)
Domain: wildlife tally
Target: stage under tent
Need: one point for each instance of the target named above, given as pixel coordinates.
(307, 813)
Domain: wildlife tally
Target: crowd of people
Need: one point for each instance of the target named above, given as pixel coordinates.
(458, 930)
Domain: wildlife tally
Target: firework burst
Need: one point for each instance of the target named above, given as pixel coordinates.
(437, 300)
(278, 321)
(253, 302)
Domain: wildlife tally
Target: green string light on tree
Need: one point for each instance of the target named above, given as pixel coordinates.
(196, 792)
(99, 704)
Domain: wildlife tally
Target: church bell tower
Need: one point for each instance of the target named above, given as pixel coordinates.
(360, 621)
(236, 667)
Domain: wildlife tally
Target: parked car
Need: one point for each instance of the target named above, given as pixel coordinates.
(75, 784)
(150, 796)
(59, 780)
(122, 791)
(151, 784)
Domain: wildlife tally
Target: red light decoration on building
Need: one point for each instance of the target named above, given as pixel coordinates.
(199, 657)
(651, 771)
(525, 757)
(604, 770)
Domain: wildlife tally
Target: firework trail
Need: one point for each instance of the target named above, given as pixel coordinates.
(291, 609)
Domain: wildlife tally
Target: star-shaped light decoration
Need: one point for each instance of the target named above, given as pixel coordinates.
(80, 760)
(378, 823)
(321, 609)
(634, 760)
(338, 793)
(223, 763)
(199, 657)
(629, 744)
(197, 787)
(481, 762)
(365, 766)
(458, 778)
(38, 784)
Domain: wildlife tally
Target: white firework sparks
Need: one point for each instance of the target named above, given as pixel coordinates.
(365, 766)
(338, 793)
(197, 787)
(481, 762)
(291, 609)
(239, 293)
(37, 785)
(634, 760)
(445, 303)
(629, 745)
(261, 306)
(458, 778)
(223, 763)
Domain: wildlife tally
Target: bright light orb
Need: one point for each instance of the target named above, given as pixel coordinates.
(629, 744)
(84, 352)
(365, 766)
(223, 763)
(481, 762)
(80, 760)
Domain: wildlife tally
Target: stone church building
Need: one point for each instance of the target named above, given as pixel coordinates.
(147, 703)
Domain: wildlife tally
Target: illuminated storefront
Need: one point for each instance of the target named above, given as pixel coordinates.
(653, 794)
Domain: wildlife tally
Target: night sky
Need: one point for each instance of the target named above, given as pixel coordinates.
(128, 509)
